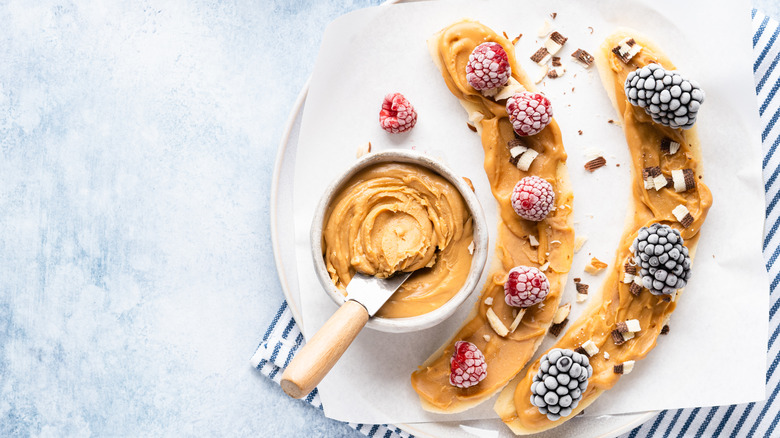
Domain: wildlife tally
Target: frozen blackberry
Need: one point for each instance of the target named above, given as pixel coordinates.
(664, 264)
(562, 379)
(666, 96)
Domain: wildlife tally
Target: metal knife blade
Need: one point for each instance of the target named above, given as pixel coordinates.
(372, 292)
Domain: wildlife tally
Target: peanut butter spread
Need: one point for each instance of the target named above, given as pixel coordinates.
(505, 356)
(648, 206)
(395, 217)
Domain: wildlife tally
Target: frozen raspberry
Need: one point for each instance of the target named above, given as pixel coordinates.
(525, 286)
(533, 198)
(488, 67)
(529, 112)
(467, 365)
(397, 114)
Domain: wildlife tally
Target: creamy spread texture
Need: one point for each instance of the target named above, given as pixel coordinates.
(648, 206)
(505, 356)
(394, 217)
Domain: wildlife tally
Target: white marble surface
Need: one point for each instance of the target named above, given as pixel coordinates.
(136, 275)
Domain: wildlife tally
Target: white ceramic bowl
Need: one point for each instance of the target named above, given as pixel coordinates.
(400, 325)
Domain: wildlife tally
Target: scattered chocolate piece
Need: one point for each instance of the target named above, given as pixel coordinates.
(553, 15)
(618, 338)
(556, 329)
(630, 269)
(516, 39)
(556, 72)
(610, 121)
(635, 289)
(583, 57)
(683, 215)
(669, 146)
(577, 279)
(651, 172)
(590, 348)
(541, 56)
(665, 330)
(595, 163)
(618, 369)
(581, 350)
(554, 42)
(626, 49)
(582, 288)
(579, 132)
(556, 61)
(622, 327)
(471, 127)
(505, 35)
(667, 298)
(683, 180)
(591, 30)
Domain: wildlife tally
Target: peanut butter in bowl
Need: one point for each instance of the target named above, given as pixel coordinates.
(400, 217)
(402, 211)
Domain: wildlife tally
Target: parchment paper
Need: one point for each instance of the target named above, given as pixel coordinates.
(715, 352)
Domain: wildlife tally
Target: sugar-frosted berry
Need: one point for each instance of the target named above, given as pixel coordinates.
(662, 257)
(397, 114)
(558, 386)
(525, 286)
(529, 112)
(666, 96)
(467, 365)
(488, 67)
(533, 198)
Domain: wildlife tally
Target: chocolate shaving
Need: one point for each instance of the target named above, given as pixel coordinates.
(581, 350)
(556, 329)
(635, 289)
(651, 172)
(618, 369)
(618, 338)
(558, 38)
(591, 29)
(690, 180)
(630, 269)
(624, 57)
(556, 61)
(666, 144)
(687, 220)
(665, 329)
(595, 163)
(471, 127)
(583, 57)
(539, 55)
(582, 288)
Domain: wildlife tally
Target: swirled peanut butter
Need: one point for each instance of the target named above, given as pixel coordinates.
(616, 302)
(394, 217)
(505, 356)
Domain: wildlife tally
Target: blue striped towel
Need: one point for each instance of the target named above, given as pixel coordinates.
(283, 338)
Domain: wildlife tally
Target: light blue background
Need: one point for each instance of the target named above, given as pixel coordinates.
(137, 142)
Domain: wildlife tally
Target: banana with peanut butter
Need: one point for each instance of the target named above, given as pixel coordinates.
(658, 109)
(520, 140)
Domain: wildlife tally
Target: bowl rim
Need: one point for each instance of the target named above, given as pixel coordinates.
(480, 236)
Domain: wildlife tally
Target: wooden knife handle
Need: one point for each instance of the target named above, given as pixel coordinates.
(324, 349)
